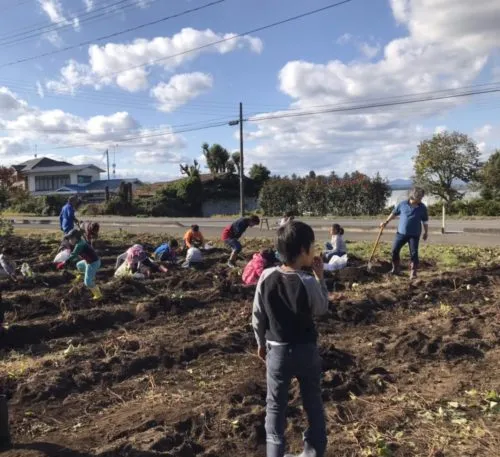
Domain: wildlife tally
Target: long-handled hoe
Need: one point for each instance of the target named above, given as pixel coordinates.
(375, 246)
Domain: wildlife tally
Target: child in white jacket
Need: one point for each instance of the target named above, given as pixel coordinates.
(337, 245)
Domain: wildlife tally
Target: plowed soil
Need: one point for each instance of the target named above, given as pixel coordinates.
(167, 366)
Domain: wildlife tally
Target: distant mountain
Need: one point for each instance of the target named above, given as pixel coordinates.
(400, 184)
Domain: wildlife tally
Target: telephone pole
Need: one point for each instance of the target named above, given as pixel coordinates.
(107, 161)
(242, 170)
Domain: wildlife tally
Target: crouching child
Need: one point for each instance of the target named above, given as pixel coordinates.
(261, 260)
(89, 263)
(286, 299)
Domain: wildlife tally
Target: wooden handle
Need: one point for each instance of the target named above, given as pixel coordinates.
(376, 244)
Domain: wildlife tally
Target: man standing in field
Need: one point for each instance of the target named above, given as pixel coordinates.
(412, 217)
(67, 217)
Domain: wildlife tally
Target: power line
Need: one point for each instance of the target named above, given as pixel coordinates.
(65, 24)
(233, 37)
(373, 105)
(115, 34)
(141, 137)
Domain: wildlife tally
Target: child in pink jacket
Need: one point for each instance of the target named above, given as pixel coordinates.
(260, 261)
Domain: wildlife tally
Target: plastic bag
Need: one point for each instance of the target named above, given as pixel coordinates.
(62, 256)
(336, 263)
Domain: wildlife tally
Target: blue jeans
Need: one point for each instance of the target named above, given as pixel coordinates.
(90, 270)
(400, 241)
(234, 244)
(284, 363)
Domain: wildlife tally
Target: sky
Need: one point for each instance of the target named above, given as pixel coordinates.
(152, 80)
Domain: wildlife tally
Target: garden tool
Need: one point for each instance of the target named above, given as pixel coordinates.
(377, 241)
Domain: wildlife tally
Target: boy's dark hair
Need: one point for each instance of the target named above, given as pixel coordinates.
(173, 244)
(293, 238)
(338, 229)
(255, 219)
(195, 228)
(288, 214)
(7, 251)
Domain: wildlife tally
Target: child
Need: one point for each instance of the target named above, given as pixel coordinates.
(193, 238)
(287, 217)
(286, 299)
(263, 259)
(136, 260)
(194, 258)
(91, 231)
(89, 264)
(232, 233)
(337, 245)
(7, 266)
(167, 252)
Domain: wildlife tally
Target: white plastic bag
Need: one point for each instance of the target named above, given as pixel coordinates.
(123, 271)
(62, 256)
(336, 263)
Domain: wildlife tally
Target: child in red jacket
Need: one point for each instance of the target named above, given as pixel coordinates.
(260, 261)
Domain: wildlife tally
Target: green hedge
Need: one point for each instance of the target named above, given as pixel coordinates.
(477, 207)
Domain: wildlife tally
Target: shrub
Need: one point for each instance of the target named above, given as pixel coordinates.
(6, 228)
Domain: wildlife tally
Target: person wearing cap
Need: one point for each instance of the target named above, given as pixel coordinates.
(412, 217)
(67, 218)
(89, 263)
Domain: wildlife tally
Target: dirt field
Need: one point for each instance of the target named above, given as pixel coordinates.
(167, 366)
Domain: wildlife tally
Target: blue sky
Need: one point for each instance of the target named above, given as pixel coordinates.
(75, 104)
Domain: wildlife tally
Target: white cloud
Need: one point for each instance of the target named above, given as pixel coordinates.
(368, 50)
(157, 157)
(483, 132)
(54, 38)
(181, 89)
(27, 125)
(89, 4)
(39, 90)
(447, 46)
(54, 10)
(440, 129)
(109, 63)
(344, 39)
(10, 103)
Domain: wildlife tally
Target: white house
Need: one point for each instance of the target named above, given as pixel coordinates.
(45, 176)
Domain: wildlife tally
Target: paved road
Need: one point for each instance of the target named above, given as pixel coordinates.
(452, 225)
(472, 239)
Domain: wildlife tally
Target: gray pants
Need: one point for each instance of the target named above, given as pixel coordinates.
(284, 363)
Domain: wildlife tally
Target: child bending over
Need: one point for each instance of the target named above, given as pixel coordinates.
(193, 238)
(286, 299)
(7, 265)
(261, 260)
(167, 252)
(89, 263)
(232, 234)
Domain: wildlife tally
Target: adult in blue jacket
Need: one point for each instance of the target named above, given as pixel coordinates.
(412, 217)
(67, 217)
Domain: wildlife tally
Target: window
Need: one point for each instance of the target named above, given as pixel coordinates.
(49, 183)
(84, 179)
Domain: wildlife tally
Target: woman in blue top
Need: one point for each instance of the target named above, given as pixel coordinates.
(412, 217)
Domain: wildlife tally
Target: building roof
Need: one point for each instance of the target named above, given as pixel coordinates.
(97, 186)
(44, 164)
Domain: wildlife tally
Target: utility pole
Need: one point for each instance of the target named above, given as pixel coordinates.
(242, 171)
(107, 161)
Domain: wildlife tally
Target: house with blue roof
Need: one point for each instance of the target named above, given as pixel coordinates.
(44, 176)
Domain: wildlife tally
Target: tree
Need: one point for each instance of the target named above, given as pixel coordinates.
(489, 177)
(312, 174)
(259, 173)
(278, 196)
(7, 180)
(217, 157)
(235, 157)
(230, 167)
(190, 170)
(442, 161)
